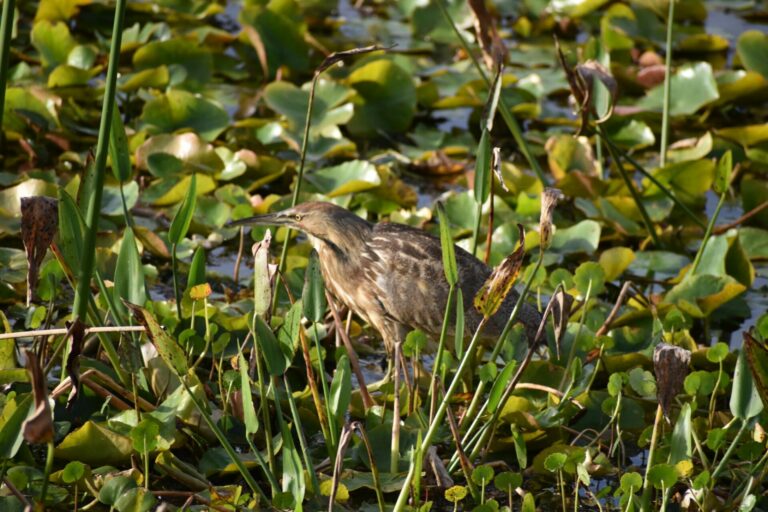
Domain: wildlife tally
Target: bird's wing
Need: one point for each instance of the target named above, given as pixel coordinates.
(409, 272)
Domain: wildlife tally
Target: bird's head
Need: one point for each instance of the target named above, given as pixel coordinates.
(322, 221)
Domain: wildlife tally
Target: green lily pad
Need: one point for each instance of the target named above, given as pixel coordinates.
(95, 445)
(347, 178)
(19, 100)
(168, 155)
(581, 237)
(752, 48)
(178, 109)
(282, 39)
(195, 59)
(385, 101)
(701, 294)
(53, 41)
(690, 180)
(692, 87)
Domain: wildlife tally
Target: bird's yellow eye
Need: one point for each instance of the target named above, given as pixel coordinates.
(297, 217)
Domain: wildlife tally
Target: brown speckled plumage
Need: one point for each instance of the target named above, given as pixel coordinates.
(391, 275)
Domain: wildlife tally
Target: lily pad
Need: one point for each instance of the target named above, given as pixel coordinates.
(701, 294)
(347, 178)
(385, 101)
(692, 87)
(752, 48)
(53, 41)
(195, 59)
(178, 109)
(96, 445)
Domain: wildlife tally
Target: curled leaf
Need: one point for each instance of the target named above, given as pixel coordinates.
(39, 223)
(38, 428)
(491, 295)
(494, 50)
(549, 199)
(670, 364)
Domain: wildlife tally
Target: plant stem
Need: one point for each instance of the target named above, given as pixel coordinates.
(47, 474)
(635, 194)
(707, 234)
(440, 414)
(646, 498)
(506, 111)
(439, 353)
(727, 455)
(83, 291)
(667, 86)
(6, 31)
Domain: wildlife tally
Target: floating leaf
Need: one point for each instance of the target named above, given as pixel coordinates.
(347, 178)
(196, 60)
(752, 48)
(385, 101)
(692, 87)
(179, 109)
(95, 445)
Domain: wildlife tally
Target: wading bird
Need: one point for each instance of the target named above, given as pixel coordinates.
(391, 275)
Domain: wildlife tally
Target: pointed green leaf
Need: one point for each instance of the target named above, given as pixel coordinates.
(183, 218)
(446, 242)
(249, 411)
(459, 330)
(745, 401)
(482, 181)
(129, 273)
(118, 149)
(168, 348)
(276, 360)
(723, 173)
(681, 437)
(313, 295)
(341, 389)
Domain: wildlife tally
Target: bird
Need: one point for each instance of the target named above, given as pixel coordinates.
(391, 275)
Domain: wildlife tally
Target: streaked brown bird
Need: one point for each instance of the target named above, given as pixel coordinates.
(391, 275)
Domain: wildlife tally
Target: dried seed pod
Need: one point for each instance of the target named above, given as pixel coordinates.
(670, 364)
(549, 199)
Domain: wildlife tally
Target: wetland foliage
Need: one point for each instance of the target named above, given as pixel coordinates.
(172, 365)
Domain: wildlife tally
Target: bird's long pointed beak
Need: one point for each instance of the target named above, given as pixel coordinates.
(268, 219)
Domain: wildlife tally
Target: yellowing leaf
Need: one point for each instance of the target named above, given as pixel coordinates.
(615, 261)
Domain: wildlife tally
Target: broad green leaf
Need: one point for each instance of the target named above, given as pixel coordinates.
(73, 472)
(281, 37)
(276, 359)
(20, 100)
(662, 476)
(14, 414)
(168, 348)
(692, 87)
(347, 178)
(385, 101)
(757, 357)
(195, 59)
(250, 418)
(581, 237)
(508, 481)
(642, 382)
(589, 276)
(555, 461)
(566, 154)
(136, 500)
(456, 493)
(341, 389)
(752, 48)
(293, 471)
(95, 445)
(521, 450)
(681, 437)
(115, 487)
(482, 475)
(703, 293)
(745, 400)
(145, 435)
(183, 217)
(330, 107)
(313, 295)
(615, 261)
(177, 109)
(631, 482)
(168, 155)
(448, 249)
(52, 41)
(717, 353)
